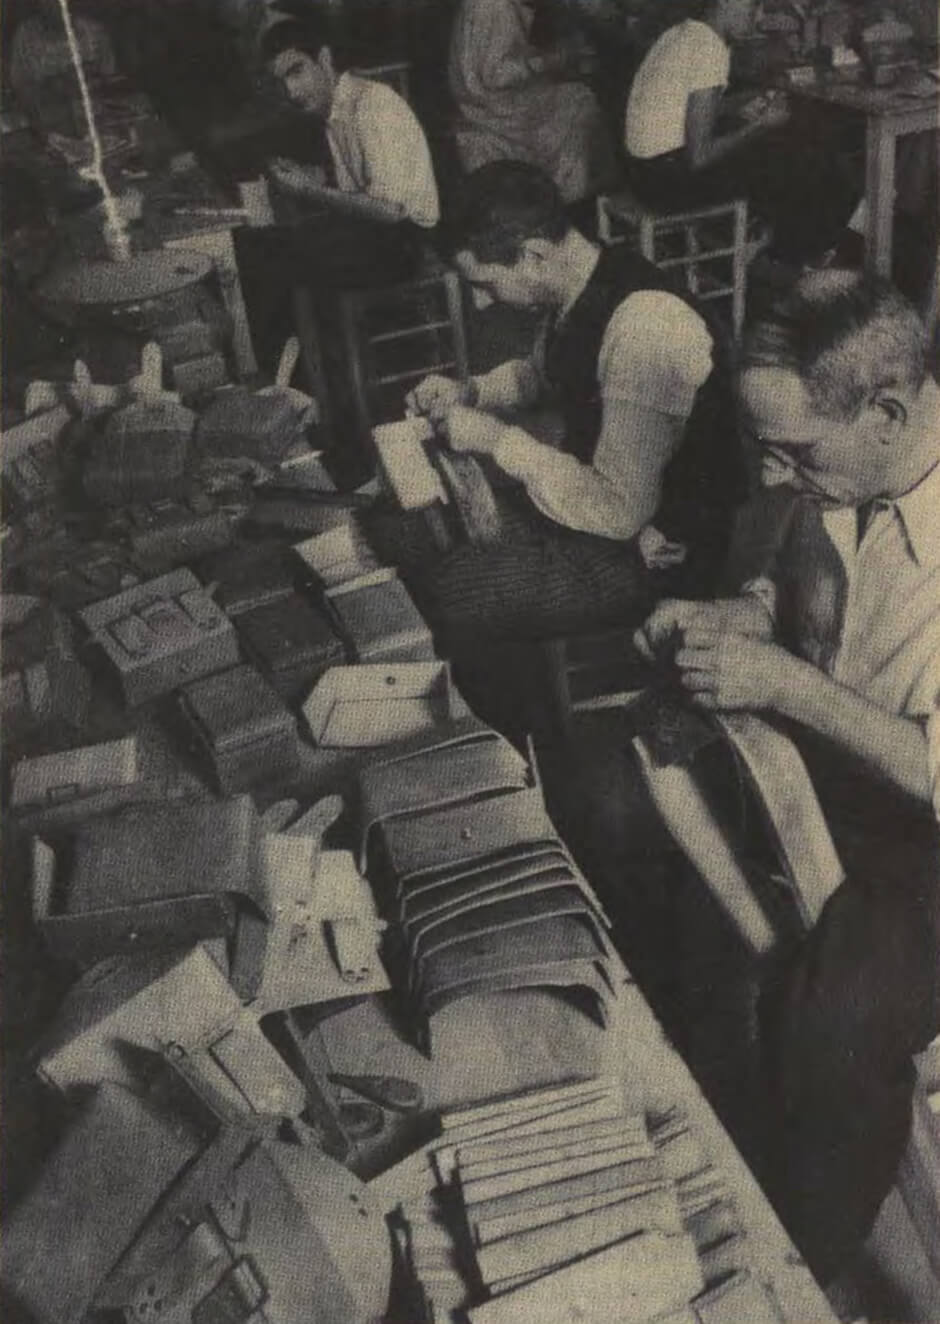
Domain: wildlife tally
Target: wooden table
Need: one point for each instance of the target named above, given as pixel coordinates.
(503, 1043)
(890, 113)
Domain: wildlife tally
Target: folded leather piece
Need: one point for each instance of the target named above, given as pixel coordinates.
(462, 833)
(741, 1297)
(179, 1002)
(374, 704)
(161, 633)
(381, 622)
(150, 875)
(500, 867)
(449, 904)
(263, 426)
(258, 1230)
(519, 912)
(435, 778)
(242, 729)
(291, 642)
(93, 1192)
(491, 882)
(249, 576)
(569, 975)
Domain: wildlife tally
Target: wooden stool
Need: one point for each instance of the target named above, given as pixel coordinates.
(707, 245)
(395, 335)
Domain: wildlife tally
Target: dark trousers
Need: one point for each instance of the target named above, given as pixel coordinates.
(814, 1079)
(846, 1010)
(329, 254)
(799, 186)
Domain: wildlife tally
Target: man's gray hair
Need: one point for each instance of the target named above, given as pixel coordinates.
(847, 335)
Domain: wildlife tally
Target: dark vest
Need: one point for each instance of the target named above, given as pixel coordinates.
(705, 479)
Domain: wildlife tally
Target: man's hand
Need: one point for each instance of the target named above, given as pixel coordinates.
(473, 430)
(297, 178)
(434, 397)
(667, 626)
(725, 670)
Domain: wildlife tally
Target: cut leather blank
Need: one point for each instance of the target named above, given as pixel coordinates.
(374, 704)
(381, 622)
(645, 1275)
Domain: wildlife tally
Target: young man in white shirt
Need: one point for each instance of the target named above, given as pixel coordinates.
(683, 153)
(380, 156)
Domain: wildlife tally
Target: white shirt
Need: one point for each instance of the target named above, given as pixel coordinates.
(656, 353)
(379, 148)
(867, 615)
(687, 58)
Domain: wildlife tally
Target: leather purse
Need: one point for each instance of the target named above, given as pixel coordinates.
(140, 453)
(249, 576)
(126, 1008)
(241, 728)
(291, 642)
(380, 621)
(148, 876)
(257, 1230)
(93, 1192)
(166, 533)
(161, 633)
(266, 427)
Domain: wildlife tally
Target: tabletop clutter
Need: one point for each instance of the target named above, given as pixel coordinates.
(252, 795)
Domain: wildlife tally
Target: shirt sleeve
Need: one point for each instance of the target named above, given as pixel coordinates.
(395, 155)
(710, 65)
(656, 353)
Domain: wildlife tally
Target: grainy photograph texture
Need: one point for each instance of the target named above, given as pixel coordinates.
(470, 643)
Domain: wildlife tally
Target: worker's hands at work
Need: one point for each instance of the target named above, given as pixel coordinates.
(297, 178)
(435, 395)
(665, 629)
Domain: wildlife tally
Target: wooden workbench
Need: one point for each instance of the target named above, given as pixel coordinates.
(890, 113)
(486, 1046)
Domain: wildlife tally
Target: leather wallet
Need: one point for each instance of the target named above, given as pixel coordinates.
(242, 729)
(161, 633)
(291, 642)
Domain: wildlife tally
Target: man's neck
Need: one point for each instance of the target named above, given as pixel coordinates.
(921, 453)
(576, 259)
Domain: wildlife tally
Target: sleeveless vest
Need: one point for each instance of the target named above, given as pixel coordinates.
(705, 479)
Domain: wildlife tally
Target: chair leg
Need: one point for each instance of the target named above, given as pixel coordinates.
(311, 355)
(739, 269)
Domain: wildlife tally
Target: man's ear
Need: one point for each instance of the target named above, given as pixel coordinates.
(892, 411)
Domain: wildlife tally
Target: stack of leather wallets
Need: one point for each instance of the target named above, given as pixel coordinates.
(562, 1199)
(482, 893)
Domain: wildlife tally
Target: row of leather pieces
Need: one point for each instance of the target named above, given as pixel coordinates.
(482, 892)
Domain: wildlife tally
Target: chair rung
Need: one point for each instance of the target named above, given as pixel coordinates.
(393, 378)
(721, 293)
(404, 332)
(695, 259)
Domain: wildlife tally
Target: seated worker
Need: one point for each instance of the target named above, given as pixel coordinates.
(640, 494)
(372, 216)
(681, 156)
(380, 155)
(518, 102)
(840, 643)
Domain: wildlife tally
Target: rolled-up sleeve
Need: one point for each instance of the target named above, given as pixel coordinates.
(395, 155)
(656, 352)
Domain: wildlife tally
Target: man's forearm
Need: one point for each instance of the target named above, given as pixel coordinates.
(511, 385)
(894, 746)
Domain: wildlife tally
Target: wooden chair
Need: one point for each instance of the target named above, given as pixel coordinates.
(397, 334)
(706, 245)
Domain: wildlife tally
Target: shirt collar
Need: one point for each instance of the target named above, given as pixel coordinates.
(919, 510)
(344, 94)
